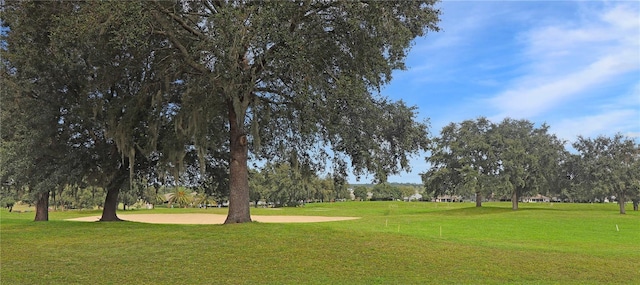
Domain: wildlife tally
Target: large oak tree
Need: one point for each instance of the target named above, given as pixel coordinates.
(300, 79)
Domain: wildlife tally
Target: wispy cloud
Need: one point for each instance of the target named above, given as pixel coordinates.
(594, 125)
(568, 60)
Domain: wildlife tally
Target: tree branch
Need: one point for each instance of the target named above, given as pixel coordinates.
(211, 8)
(182, 23)
(183, 51)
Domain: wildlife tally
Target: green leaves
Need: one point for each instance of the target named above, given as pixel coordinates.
(300, 76)
(464, 159)
(501, 159)
(608, 166)
(138, 87)
(181, 197)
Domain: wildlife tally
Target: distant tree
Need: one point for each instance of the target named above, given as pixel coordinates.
(324, 189)
(181, 197)
(385, 192)
(528, 158)
(8, 203)
(257, 187)
(204, 200)
(340, 187)
(573, 187)
(441, 180)
(463, 160)
(286, 185)
(611, 164)
(634, 182)
(407, 191)
(361, 192)
(511, 158)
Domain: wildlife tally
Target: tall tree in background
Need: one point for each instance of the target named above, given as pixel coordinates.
(385, 192)
(528, 158)
(610, 164)
(297, 78)
(285, 185)
(571, 188)
(361, 192)
(463, 160)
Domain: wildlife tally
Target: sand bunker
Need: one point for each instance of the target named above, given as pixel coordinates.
(213, 218)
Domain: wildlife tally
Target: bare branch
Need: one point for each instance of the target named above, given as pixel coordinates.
(211, 7)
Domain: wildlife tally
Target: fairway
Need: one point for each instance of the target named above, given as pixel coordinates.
(392, 243)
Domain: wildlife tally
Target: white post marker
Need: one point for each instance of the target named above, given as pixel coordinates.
(617, 229)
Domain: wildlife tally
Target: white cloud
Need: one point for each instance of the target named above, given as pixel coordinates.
(531, 98)
(567, 61)
(632, 134)
(595, 125)
(617, 115)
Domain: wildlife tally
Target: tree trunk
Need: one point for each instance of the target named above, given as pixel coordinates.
(621, 203)
(478, 199)
(635, 203)
(238, 172)
(514, 200)
(55, 207)
(110, 206)
(42, 207)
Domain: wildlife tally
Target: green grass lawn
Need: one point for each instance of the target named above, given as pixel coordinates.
(393, 243)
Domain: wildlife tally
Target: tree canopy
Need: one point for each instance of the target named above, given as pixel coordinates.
(610, 166)
(300, 78)
(511, 158)
(463, 159)
(152, 83)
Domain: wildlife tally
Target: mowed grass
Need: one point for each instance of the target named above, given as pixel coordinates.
(393, 243)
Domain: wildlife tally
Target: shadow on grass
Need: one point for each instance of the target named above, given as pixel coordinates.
(486, 210)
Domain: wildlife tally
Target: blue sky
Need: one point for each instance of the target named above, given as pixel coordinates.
(572, 64)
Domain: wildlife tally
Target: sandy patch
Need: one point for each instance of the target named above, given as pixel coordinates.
(213, 219)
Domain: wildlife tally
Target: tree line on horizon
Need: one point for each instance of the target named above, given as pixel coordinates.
(515, 158)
